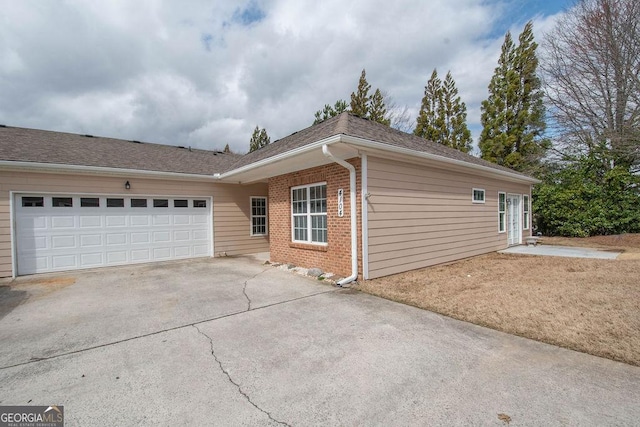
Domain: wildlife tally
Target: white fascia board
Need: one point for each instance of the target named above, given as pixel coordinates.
(62, 168)
(365, 143)
(283, 156)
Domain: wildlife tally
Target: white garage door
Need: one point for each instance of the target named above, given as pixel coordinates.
(58, 232)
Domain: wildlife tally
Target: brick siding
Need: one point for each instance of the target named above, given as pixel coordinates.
(335, 257)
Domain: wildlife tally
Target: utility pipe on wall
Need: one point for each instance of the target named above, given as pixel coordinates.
(354, 214)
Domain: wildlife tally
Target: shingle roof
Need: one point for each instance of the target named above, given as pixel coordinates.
(40, 146)
(352, 125)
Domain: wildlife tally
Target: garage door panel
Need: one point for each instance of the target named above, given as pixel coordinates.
(199, 219)
(115, 239)
(116, 221)
(58, 222)
(70, 237)
(200, 250)
(181, 220)
(64, 262)
(139, 220)
(93, 221)
(90, 240)
(140, 238)
(162, 253)
(63, 242)
(32, 243)
(182, 252)
(140, 255)
(161, 236)
(116, 257)
(200, 234)
(91, 259)
(161, 220)
(181, 235)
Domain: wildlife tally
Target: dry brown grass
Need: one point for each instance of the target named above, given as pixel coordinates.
(586, 305)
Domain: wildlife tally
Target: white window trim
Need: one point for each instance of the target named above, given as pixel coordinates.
(484, 195)
(504, 212)
(266, 216)
(308, 214)
(526, 203)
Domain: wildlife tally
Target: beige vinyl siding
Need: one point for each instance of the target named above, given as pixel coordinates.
(231, 204)
(420, 216)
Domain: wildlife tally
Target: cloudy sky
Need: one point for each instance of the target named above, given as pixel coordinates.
(204, 73)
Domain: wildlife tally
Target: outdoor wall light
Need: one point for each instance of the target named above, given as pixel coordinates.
(127, 185)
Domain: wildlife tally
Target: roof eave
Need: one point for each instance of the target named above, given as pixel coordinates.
(99, 170)
(366, 143)
(280, 157)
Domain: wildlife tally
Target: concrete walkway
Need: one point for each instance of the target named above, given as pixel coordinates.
(562, 251)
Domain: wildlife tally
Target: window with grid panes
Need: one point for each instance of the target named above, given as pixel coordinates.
(309, 213)
(258, 216)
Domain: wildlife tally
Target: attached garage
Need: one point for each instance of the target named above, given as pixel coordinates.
(57, 232)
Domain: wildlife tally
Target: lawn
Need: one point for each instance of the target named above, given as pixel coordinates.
(588, 305)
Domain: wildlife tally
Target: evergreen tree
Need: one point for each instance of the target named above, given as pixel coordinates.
(513, 114)
(259, 139)
(377, 109)
(453, 114)
(360, 99)
(372, 107)
(226, 149)
(443, 116)
(328, 111)
(428, 123)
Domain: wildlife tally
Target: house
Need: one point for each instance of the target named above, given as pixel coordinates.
(348, 195)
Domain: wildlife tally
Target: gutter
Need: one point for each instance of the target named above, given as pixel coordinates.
(354, 214)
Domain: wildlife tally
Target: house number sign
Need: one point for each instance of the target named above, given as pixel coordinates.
(340, 202)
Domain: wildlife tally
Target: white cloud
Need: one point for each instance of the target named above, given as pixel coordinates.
(206, 73)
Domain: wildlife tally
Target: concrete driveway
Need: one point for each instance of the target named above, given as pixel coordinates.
(234, 342)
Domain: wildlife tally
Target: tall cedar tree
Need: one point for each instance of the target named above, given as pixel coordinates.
(513, 114)
(443, 116)
(457, 134)
(377, 109)
(428, 125)
(360, 99)
(259, 139)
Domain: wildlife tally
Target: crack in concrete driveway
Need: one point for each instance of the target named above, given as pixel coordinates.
(226, 373)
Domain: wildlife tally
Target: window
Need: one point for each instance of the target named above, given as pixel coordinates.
(181, 203)
(199, 203)
(525, 216)
(309, 213)
(258, 216)
(160, 203)
(89, 202)
(502, 212)
(33, 202)
(138, 203)
(115, 203)
(478, 195)
(62, 202)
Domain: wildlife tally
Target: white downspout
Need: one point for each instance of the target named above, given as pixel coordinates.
(354, 214)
